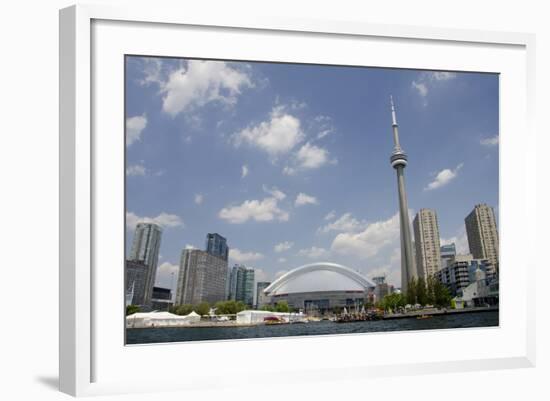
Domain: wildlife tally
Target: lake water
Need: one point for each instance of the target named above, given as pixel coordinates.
(177, 334)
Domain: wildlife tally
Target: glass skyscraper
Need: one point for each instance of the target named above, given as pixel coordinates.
(145, 249)
(241, 284)
(216, 245)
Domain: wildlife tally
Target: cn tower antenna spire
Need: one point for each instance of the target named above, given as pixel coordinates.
(394, 118)
(398, 161)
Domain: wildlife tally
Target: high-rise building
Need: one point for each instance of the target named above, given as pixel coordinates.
(202, 278)
(241, 286)
(261, 298)
(448, 253)
(426, 240)
(217, 245)
(481, 229)
(136, 277)
(398, 161)
(145, 249)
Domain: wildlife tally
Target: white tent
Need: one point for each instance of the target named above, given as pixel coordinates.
(160, 319)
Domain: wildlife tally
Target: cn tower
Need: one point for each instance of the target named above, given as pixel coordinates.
(399, 162)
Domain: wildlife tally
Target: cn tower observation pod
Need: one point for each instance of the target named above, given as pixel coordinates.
(320, 286)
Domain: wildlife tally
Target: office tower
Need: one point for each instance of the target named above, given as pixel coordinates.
(398, 161)
(233, 278)
(216, 245)
(448, 252)
(202, 278)
(261, 298)
(145, 249)
(426, 240)
(241, 286)
(481, 229)
(136, 277)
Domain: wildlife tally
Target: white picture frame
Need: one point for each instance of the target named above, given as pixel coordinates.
(84, 353)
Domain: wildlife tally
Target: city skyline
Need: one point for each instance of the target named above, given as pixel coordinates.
(201, 158)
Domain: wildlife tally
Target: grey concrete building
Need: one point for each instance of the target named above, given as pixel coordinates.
(398, 161)
(202, 278)
(136, 277)
(427, 243)
(262, 298)
(481, 229)
(145, 249)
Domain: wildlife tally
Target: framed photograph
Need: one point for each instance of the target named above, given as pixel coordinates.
(261, 187)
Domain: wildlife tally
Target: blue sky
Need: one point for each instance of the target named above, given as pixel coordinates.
(291, 162)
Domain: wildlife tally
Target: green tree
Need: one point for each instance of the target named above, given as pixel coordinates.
(411, 291)
(430, 285)
(282, 306)
(421, 293)
(203, 308)
(182, 310)
(267, 308)
(131, 309)
(442, 297)
(392, 301)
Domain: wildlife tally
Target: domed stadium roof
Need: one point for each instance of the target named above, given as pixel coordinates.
(319, 277)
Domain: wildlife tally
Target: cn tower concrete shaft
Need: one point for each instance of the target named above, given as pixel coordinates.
(398, 161)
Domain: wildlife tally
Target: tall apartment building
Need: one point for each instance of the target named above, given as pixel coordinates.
(216, 245)
(202, 278)
(241, 286)
(145, 249)
(481, 229)
(426, 240)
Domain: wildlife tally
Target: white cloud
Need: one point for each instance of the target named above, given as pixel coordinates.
(444, 177)
(430, 79)
(136, 170)
(308, 157)
(260, 275)
(330, 215)
(280, 273)
(244, 171)
(492, 141)
(314, 252)
(323, 124)
(239, 256)
(264, 210)
(346, 223)
(304, 199)
(164, 220)
(283, 246)
(200, 82)
(274, 192)
(311, 156)
(189, 246)
(369, 242)
(167, 274)
(420, 87)
(134, 127)
(281, 260)
(460, 240)
(199, 198)
(277, 135)
(442, 75)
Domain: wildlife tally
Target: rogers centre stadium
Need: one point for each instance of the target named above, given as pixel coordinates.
(320, 287)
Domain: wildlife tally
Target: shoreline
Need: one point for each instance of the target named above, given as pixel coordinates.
(440, 312)
(409, 315)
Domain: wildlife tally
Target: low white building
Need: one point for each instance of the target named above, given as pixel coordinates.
(258, 316)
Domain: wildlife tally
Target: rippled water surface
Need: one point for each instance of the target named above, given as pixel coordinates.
(175, 334)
